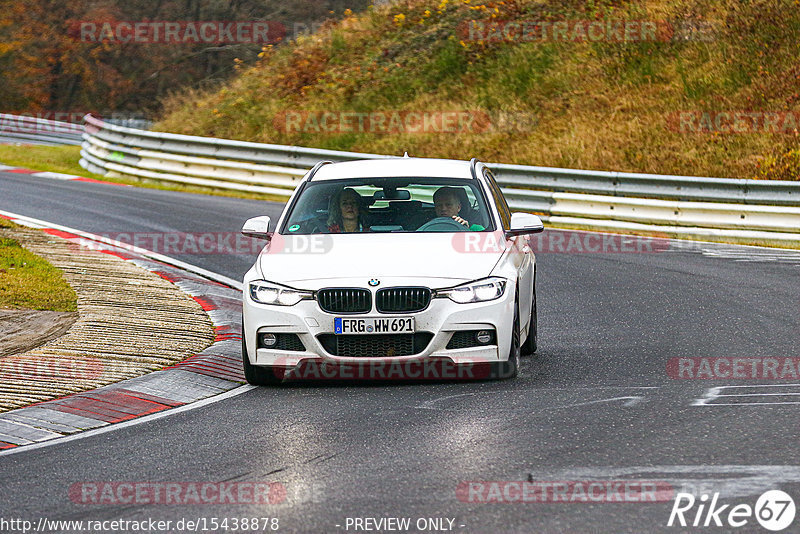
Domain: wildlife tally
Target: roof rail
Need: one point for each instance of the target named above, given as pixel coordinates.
(473, 165)
(316, 168)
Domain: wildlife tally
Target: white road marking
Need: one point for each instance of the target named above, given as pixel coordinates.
(727, 480)
(739, 253)
(428, 405)
(722, 392)
(56, 175)
(604, 387)
(631, 400)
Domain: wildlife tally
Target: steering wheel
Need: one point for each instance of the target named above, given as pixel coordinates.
(442, 224)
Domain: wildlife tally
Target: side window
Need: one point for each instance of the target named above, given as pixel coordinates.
(499, 199)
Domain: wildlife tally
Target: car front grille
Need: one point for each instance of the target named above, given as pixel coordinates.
(402, 299)
(344, 300)
(375, 346)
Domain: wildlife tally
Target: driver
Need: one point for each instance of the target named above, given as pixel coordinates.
(345, 213)
(447, 204)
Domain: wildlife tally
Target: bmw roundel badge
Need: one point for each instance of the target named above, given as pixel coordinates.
(374, 282)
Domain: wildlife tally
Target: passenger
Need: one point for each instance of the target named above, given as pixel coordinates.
(447, 204)
(344, 212)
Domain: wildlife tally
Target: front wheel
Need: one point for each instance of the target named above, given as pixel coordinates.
(510, 368)
(254, 374)
(529, 347)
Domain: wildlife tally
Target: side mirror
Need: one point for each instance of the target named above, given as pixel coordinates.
(257, 227)
(524, 223)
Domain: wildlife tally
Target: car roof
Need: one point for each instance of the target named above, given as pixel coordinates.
(394, 167)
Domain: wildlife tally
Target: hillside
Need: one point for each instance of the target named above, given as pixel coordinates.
(695, 87)
(64, 59)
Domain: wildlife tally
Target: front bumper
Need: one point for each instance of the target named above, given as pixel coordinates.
(442, 318)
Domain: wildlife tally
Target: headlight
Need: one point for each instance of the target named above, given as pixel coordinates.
(268, 293)
(479, 291)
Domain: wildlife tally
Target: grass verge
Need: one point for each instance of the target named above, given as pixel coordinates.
(28, 281)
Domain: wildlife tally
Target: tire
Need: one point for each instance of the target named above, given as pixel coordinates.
(510, 368)
(254, 374)
(529, 347)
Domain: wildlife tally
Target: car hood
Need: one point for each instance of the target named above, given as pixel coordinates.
(301, 260)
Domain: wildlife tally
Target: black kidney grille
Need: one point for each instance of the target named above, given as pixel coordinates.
(402, 299)
(344, 300)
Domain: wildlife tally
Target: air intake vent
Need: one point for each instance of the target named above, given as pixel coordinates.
(282, 342)
(344, 300)
(402, 299)
(376, 345)
(469, 338)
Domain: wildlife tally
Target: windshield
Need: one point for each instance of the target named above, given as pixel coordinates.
(389, 205)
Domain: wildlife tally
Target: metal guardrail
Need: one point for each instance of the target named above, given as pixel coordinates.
(657, 186)
(33, 130)
(748, 210)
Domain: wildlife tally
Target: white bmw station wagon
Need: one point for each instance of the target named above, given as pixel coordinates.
(404, 268)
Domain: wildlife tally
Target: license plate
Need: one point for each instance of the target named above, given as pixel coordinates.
(373, 325)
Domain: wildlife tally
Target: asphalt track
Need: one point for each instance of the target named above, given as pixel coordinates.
(595, 403)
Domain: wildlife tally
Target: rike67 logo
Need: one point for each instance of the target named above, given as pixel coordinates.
(774, 511)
